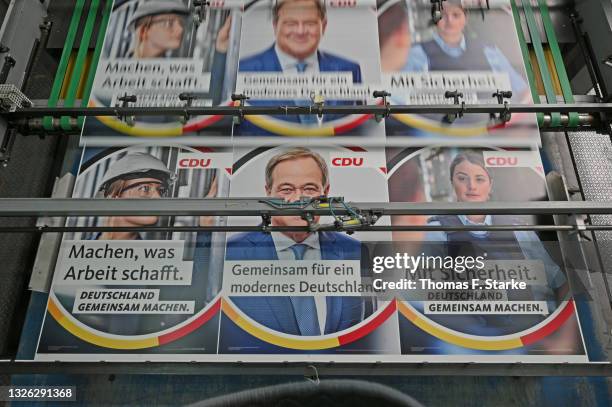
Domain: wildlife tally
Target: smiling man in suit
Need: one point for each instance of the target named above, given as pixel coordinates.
(299, 26)
(289, 175)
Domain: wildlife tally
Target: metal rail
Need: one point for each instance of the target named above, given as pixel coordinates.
(24, 207)
(313, 109)
(323, 369)
(364, 228)
(34, 126)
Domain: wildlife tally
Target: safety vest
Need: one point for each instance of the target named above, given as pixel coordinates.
(500, 245)
(472, 59)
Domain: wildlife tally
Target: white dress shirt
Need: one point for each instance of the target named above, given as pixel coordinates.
(283, 244)
(289, 63)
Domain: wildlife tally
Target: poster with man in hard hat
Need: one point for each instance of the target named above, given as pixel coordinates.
(165, 53)
(129, 285)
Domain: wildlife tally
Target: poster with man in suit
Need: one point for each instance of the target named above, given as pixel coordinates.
(303, 52)
(302, 284)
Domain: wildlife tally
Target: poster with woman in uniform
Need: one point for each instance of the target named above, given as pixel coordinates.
(496, 294)
(452, 56)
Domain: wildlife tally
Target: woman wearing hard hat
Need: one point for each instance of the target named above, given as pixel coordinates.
(157, 26)
(135, 176)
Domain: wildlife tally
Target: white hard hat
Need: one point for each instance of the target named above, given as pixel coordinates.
(154, 7)
(136, 165)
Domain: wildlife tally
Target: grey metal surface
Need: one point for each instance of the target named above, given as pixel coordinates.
(560, 18)
(60, 12)
(255, 206)
(19, 31)
(49, 244)
(586, 281)
(323, 369)
(557, 151)
(593, 157)
(597, 17)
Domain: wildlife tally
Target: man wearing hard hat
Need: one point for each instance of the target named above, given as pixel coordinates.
(135, 176)
(157, 26)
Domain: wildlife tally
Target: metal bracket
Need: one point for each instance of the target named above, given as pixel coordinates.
(266, 221)
(382, 94)
(318, 102)
(7, 145)
(200, 11)
(125, 102)
(501, 95)
(9, 63)
(240, 98)
(436, 10)
(456, 96)
(312, 226)
(12, 98)
(374, 215)
(188, 98)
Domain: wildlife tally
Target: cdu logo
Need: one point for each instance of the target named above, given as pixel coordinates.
(347, 161)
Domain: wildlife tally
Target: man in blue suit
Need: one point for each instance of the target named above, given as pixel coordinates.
(298, 26)
(290, 175)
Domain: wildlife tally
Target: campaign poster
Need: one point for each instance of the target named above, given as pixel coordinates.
(305, 292)
(166, 54)
(309, 53)
(477, 295)
(473, 50)
(138, 295)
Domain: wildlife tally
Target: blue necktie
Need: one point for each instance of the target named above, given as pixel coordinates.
(301, 66)
(304, 308)
(304, 118)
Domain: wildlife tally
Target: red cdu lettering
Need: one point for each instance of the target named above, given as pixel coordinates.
(502, 161)
(194, 163)
(347, 162)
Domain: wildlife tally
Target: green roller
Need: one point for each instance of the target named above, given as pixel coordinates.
(77, 72)
(551, 97)
(96, 57)
(63, 64)
(528, 66)
(566, 88)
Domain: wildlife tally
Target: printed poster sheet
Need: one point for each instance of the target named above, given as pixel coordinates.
(138, 292)
(284, 55)
(165, 54)
(462, 53)
(322, 295)
(316, 294)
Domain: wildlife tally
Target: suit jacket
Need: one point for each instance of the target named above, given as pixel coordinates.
(277, 312)
(267, 61)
